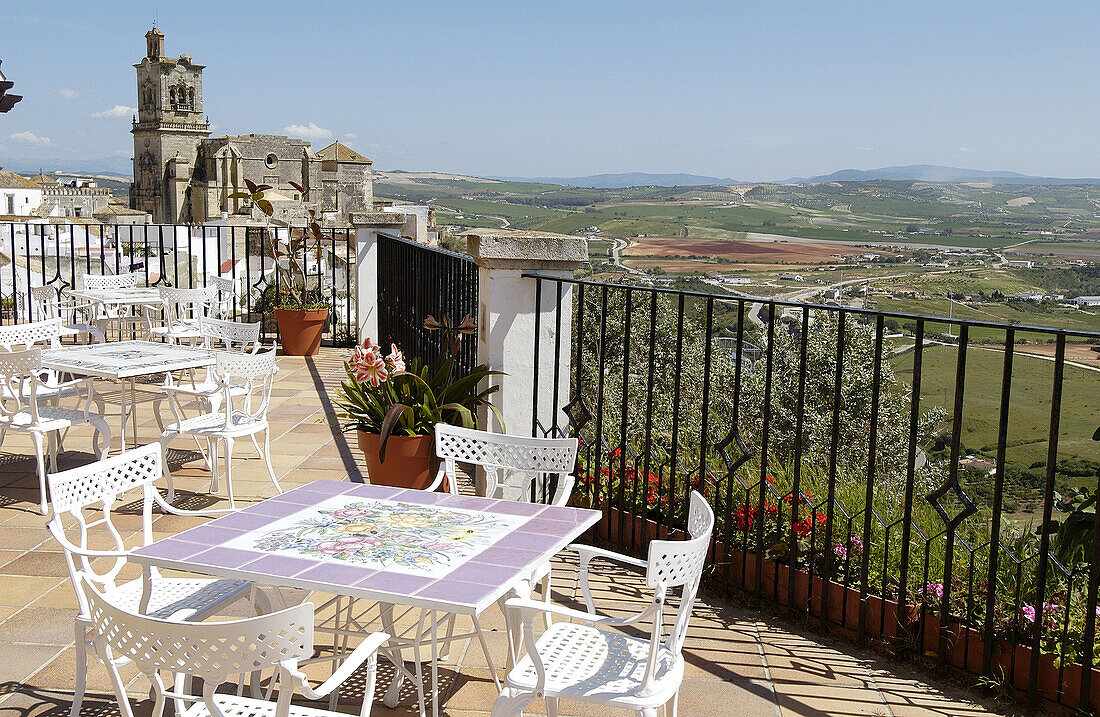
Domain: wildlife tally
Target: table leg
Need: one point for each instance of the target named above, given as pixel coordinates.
(133, 408)
(393, 694)
(123, 414)
(420, 664)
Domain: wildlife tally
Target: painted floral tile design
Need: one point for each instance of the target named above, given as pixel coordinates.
(384, 535)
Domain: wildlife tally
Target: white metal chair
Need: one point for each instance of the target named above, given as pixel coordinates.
(104, 315)
(23, 410)
(215, 652)
(534, 469)
(244, 382)
(75, 315)
(182, 309)
(526, 469)
(84, 499)
(589, 663)
(225, 303)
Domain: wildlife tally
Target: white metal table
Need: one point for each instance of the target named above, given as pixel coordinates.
(129, 298)
(124, 362)
(438, 553)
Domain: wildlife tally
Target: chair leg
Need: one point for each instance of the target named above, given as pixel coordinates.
(648, 712)
(673, 704)
(103, 430)
(551, 707)
(545, 587)
(81, 669)
(511, 702)
(266, 453)
(40, 454)
(164, 441)
(229, 470)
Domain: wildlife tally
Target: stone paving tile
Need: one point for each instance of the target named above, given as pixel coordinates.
(738, 661)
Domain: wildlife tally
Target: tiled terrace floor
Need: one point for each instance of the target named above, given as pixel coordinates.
(739, 662)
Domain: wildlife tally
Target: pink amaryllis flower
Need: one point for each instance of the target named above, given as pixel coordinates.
(396, 359)
(467, 325)
(362, 359)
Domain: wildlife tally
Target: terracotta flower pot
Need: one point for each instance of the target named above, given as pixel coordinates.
(300, 330)
(408, 464)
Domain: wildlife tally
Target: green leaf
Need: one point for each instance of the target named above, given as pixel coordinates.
(265, 207)
(388, 423)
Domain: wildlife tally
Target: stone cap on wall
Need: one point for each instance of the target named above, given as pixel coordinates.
(376, 219)
(512, 249)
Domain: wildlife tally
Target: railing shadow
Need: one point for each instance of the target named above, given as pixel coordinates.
(347, 457)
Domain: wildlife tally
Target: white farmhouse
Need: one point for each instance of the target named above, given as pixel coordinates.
(19, 196)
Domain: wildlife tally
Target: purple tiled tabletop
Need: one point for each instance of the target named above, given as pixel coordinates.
(434, 551)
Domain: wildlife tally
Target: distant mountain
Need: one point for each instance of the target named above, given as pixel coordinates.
(934, 173)
(629, 179)
(112, 166)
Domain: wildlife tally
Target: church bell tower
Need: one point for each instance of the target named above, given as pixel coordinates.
(168, 129)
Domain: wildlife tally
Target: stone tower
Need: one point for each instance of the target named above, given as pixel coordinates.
(167, 132)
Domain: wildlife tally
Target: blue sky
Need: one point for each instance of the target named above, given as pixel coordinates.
(749, 90)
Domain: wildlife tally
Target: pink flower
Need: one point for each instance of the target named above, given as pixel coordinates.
(396, 359)
(375, 372)
(931, 590)
(1027, 612)
(467, 325)
(362, 359)
(855, 542)
(841, 551)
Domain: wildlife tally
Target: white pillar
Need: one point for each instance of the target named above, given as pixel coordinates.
(507, 316)
(367, 227)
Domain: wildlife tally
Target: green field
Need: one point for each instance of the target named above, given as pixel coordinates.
(1029, 413)
(880, 211)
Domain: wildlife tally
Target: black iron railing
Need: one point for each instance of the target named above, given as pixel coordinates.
(895, 475)
(35, 254)
(416, 281)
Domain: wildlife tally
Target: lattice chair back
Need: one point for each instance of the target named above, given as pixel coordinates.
(111, 281)
(225, 301)
(537, 461)
(47, 331)
(184, 307)
(680, 563)
(213, 651)
(234, 336)
(19, 381)
(45, 303)
(254, 377)
(83, 499)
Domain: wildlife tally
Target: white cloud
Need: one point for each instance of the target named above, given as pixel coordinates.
(965, 150)
(871, 148)
(116, 112)
(350, 135)
(68, 94)
(310, 131)
(31, 138)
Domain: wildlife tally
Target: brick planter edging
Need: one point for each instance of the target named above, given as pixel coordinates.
(965, 646)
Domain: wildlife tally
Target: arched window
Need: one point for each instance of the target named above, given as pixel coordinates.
(172, 96)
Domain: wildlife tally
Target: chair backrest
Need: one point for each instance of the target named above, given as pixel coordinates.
(47, 331)
(83, 499)
(184, 307)
(226, 301)
(19, 382)
(680, 563)
(538, 461)
(45, 303)
(111, 281)
(253, 377)
(212, 651)
(234, 336)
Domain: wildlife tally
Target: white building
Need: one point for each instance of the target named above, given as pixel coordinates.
(19, 196)
(1083, 301)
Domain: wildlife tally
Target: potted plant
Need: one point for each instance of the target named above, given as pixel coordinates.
(394, 405)
(300, 311)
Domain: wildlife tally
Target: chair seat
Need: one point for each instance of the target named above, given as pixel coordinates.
(180, 598)
(215, 424)
(590, 665)
(50, 418)
(233, 706)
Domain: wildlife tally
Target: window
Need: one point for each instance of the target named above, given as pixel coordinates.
(11, 204)
(271, 160)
